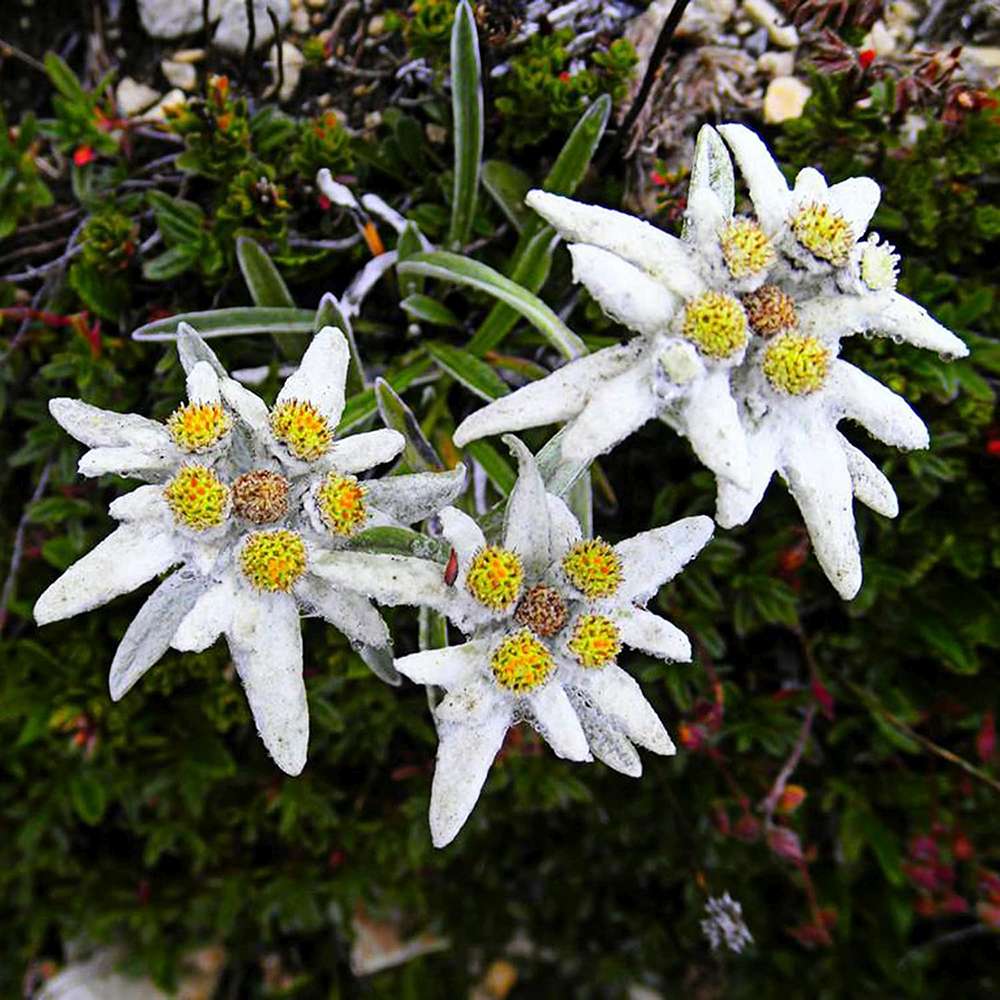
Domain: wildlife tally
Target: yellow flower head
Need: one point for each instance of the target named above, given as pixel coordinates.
(521, 663)
(824, 232)
(196, 427)
(198, 499)
(304, 431)
(796, 364)
(341, 503)
(716, 323)
(593, 567)
(273, 560)
(745, 247)
(595, 641)
(495, 577)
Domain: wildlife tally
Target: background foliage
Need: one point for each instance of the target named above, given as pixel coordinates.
(160, 823)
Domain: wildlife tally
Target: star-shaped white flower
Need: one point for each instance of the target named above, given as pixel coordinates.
(243, 501)
(682, 296)
(547, 612)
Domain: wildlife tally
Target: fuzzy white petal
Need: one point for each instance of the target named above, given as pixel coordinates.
(526, 521)
(148, 636)
(554, 717)
(462, 533)
(653, 557)
(407, 499)
(902, 317)
(662, 256)
(816, 472)
(643, 630)
(321, 375)
(203, 384)
(877, 408)
(465, 753)
(870, 485)
(607, 742)
(102, 428)
(125, 560)
(388, 579)
(565, 528)
(616, 409)
(768, 187)
(208, 619)
(557, 397)
(265, 639)
(350, 613)
(248, 406)
(133, 463)
(711, 423)
(734, 505)
(145, 503)
(856, 199)
(361, 452)
(625, 292)
(448, 667)
(192, 348)
(616, 694)
(712, 190)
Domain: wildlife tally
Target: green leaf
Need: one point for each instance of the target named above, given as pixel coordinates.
(362, 406)
(171, 263)
(428, 310)
(235, 322)
(498, 470)
(575, 156)
(419, 453)
(401, 542)
(179, 221)
(474, 374)
(103, 294)
(87, 794)
(531, 272)
(467, 118)
(508, 185)
(64, 79)
(267, 287)
(53, 510)
(465, 271)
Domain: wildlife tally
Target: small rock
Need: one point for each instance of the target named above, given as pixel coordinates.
(188, 55)
(373, 119)
(785, 98)
(133, 97)
(179, 74)
(292, 62)
(233, 31)
(376, 26)
(300, 21)
(173, 18)
(767, 15)
(774, 64)
(437, 134)
(158, 113)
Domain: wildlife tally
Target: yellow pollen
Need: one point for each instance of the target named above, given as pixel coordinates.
(593, 567)
(823, 232)
(495, 577)
(716, 323)
(273, 560)
(341, 503)
(298, 425)
(261, 496)
(745, 247)
(197, 498)
(521, 663)
(596, 641)
(770, 311)
(197, 426)
(796, 364)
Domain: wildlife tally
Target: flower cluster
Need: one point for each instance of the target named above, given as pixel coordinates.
(243, 501)
(739, 325)
(724, 924)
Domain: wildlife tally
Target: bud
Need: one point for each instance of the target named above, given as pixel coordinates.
(785, 843)
(791, 798)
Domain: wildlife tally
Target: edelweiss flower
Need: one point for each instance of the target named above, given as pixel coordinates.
(805, 278)
(681, 295)
(243, 500)
(792, 387)
(547, 612)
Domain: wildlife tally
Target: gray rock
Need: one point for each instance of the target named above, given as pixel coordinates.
(233, 32)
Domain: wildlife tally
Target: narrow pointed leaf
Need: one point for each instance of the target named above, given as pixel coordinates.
(507, 186)
(363, 406)
(467, 123)
(401, 542)
(427, 310)
(498, 470)
(235, 322)
(419, 453)
(474, 374)
(266, 286)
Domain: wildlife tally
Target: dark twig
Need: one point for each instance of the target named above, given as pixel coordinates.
(33, 250)
(205, 25)
(769, 804)
(280, 53)
(17, 552)
(251, 38)
(657, 56)
(7, 51)
(48, 223)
